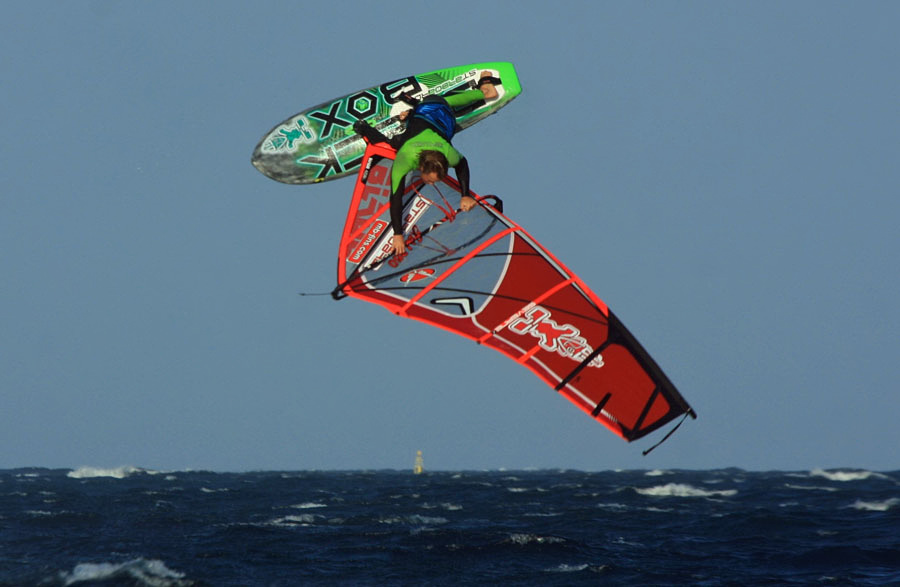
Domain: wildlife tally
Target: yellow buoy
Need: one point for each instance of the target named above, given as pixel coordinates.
(420, 463)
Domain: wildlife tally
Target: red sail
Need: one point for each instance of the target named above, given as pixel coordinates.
(480, 275)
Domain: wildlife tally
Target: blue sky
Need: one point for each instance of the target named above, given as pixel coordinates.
(723, 174)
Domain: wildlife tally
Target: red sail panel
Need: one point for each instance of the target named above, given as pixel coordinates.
(480, 275)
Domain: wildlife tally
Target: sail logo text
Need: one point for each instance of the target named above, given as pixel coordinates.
(363, 247)
(565, 339)
(376, 193)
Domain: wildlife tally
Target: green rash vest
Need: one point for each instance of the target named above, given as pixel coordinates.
(407, 157)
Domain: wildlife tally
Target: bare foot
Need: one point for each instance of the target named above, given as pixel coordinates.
(488, 89)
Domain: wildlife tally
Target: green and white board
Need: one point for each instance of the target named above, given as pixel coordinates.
(319, 144)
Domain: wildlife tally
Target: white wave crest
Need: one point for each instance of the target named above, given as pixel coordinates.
(414, 519)
(309, 505)
(153, 573)
(117, 473)
(302, 520)
(450, 507)
(876, 506)
(682, 490)
(844, 476)
(564, 568)
(809, 487)
(657, 473)
(522, 539)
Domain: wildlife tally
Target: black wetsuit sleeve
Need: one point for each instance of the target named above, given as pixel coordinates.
(368, 132)
(397, 209)
(462, 176)
(397, 140)
(413, 127)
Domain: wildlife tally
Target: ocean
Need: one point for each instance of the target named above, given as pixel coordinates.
(132, 526)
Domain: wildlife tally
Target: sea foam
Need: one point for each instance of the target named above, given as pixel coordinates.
(844, 476)
(683, 490)
(116, 473)
(876, 506)
(138, 571)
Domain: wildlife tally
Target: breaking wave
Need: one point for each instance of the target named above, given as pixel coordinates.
(522, 539)
(845, 476)
(876, 506)
(683, 490)
(116, 473)
(153, 573)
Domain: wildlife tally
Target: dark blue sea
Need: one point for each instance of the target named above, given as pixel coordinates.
(723, 527)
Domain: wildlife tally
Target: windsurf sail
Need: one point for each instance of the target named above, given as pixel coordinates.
(480, 275)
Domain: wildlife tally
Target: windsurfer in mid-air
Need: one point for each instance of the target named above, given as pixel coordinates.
(425, 146)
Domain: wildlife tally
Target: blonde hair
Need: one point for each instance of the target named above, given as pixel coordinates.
(433, 162)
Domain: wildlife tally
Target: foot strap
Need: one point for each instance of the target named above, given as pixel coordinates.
(407, 97)
(489, 80)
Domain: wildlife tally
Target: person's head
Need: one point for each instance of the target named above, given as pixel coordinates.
(433, 166)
